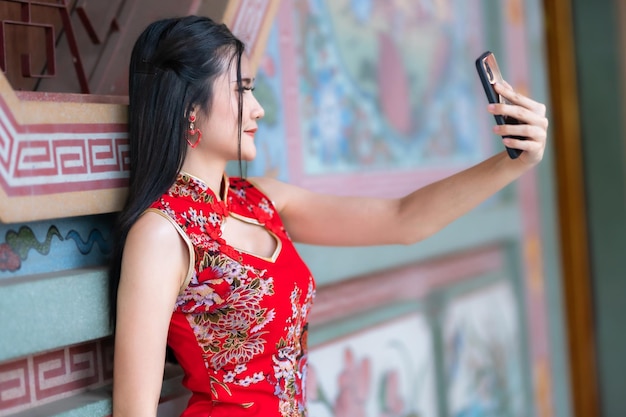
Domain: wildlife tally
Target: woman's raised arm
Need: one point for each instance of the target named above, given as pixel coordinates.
(331, 220)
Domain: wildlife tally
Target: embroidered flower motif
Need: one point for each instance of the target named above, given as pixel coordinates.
(264, 320)
(213, 246)
(266, 207)
(284, 364)
(290, 361)
(193, 216)
(214, 219)
(168, 210)
(291, 409)
(254, 379)
(229, 296)
(241, 193)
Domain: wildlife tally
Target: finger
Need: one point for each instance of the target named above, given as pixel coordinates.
(530, 132)
(517, 98)
(530, 147)
(522, 114)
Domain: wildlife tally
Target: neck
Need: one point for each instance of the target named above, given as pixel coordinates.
(210, 174)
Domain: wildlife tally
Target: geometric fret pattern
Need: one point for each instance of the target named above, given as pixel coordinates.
(48, 158)
(14, 384)
(51, 376)
(61, 155)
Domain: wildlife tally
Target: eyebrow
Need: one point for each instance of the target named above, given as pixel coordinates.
(246, 80)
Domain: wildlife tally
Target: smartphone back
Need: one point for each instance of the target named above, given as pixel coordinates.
(489, 74)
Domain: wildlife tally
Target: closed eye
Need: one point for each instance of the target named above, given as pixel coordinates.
(247, 84)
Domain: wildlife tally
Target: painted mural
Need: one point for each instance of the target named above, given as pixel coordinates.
(271, 141)
(385, 371)
(367, 68)
(484, 372)
(344, 83)
(45, 246)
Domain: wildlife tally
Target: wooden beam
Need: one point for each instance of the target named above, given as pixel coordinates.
(565, 126)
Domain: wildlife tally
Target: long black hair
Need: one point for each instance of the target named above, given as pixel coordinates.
(173, 66)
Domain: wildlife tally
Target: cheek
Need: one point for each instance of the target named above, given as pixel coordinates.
(223, 120)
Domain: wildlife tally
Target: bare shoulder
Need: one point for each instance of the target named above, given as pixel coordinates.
(153, 228)
(154, 244)
(267, 185)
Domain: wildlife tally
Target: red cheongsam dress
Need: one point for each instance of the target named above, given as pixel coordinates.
(239, 327)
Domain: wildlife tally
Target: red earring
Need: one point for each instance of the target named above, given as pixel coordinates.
(192, 131)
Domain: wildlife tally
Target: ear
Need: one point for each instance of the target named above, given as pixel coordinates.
(191, 112)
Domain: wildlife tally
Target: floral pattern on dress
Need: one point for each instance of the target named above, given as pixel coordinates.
(223, 307)
(247, 314)
(262, 211)
(291, 361)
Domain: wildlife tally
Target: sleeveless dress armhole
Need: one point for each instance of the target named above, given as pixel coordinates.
(263, 193)
(183, 235)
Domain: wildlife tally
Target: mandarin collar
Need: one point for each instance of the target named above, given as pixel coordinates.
(222, 194)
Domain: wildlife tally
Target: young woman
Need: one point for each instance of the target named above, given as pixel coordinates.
(206, 264)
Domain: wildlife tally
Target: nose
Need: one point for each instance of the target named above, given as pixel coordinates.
(257, 111)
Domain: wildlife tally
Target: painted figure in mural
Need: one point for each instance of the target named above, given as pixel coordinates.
(206, 263)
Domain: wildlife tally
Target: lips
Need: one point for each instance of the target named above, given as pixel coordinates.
(250, 132)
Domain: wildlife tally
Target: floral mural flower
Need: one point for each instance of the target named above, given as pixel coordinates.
(354, 387)
(9, 260)
(392, 402)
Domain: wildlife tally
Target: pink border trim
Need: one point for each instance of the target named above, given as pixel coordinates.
(51, 376)
(61, 127)
(241, 22)
(519, 72)
(336, 301)
(70, 97)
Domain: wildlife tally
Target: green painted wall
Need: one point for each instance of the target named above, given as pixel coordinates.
(602, 120)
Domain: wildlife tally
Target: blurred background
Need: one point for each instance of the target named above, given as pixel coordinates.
(513, 310)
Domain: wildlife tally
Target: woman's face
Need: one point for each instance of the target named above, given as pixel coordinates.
(220, 127)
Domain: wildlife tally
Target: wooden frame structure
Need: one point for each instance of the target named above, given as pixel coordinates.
(571, 208)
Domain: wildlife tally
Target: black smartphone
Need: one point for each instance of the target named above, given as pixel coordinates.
(489, 74)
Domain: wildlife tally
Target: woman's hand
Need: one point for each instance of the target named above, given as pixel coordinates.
(533, 124)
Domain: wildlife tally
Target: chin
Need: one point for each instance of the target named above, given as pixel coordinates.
(248, 153)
